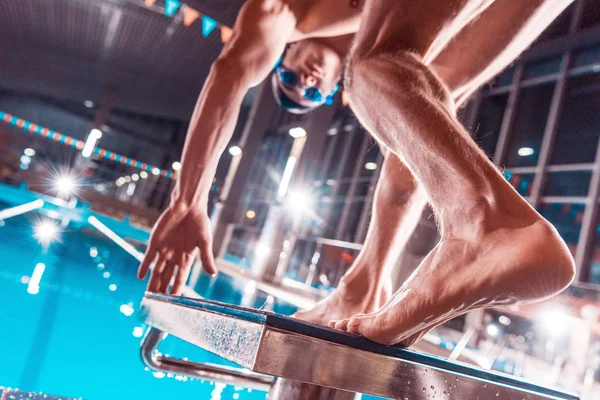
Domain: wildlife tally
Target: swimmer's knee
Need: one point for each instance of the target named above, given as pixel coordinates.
(404, 70)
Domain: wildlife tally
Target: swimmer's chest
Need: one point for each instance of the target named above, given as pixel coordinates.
(330, 17)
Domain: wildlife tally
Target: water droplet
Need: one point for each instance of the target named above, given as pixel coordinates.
(432, 387)
(445, 393)
(485, 385)
(497, 394)
(423, 388)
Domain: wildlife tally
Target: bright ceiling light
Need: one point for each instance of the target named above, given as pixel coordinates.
(298, 201)
(176, 166)
(112, 287)
(235, 151)
(554, 322)
(90, 142)
(88, 103)
(29, 152)
(143, 174)
(155, 171)
(46, 232)
(250, 214)
(504, 320)
(135, 177)
(371, 166)
(297, 132)
(525, 151)
(25, 159)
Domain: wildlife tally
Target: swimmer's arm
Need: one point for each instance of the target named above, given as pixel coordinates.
(259, 37)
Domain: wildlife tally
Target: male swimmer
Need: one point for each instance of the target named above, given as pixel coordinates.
(410, 65)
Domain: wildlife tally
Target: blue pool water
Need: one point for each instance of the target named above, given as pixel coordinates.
(73, 336)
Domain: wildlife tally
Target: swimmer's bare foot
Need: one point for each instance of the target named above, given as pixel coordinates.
(355, 294)
(512, 260)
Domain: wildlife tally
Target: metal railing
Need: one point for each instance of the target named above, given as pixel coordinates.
(217, 373)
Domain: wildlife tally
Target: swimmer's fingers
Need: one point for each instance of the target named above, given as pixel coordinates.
(185, 265)
(206, 254)
(166, 277)
(155, 281)
(147, 261)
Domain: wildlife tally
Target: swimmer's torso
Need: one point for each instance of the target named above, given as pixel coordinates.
(327, 18)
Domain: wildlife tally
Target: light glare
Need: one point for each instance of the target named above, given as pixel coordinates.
(126, 309)
(65, 185)
(155, 171)
(29, 152)
(176, 166)
(371, 166)
(250, 214)
(143, 174)
(90, 142)
(493, 330)
(112, 287)
(46, 231)
(525, 151)
(138, 331)
(235, 151)
(297, 132)
(287, 176)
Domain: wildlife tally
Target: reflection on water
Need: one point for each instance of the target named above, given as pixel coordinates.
(72, 326)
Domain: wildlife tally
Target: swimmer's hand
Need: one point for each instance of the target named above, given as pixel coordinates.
(180, 232)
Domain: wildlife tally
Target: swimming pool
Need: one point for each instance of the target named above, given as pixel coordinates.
(70, 323)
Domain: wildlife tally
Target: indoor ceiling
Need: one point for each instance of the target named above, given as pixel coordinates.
(83, 49)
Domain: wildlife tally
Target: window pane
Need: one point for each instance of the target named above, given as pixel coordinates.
(591, 14)
(585, 57)
(595, 259)
(569, 183)
(490, 121)
(541, 68)
(521, 182)
(566, 218)
(579, 127)
(363, 188)
(353, 220)
(528, 129)
(505, 78)
(354, 155)
(371, 159)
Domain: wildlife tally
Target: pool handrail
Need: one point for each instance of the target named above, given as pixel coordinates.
(216, 373)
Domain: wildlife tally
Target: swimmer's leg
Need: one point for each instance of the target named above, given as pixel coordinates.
(495, 249)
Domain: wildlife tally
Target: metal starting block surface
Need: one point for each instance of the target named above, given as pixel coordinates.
(281, 346)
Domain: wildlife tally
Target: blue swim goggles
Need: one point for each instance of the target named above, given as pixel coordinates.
(312, 94)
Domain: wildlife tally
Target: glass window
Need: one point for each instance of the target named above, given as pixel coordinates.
(594, 275)
(529, 124)
(579, 128)
(370, 161)
(566, 218)
(353, 220)
(490, 120)
(559, 27)
(505, 78)
(591, 14)
(363, 188)
(521, 182)
(541, 68)
(567, 183)
(354, 155)
(589, 56)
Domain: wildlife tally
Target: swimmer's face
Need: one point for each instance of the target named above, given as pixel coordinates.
(316, 65)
